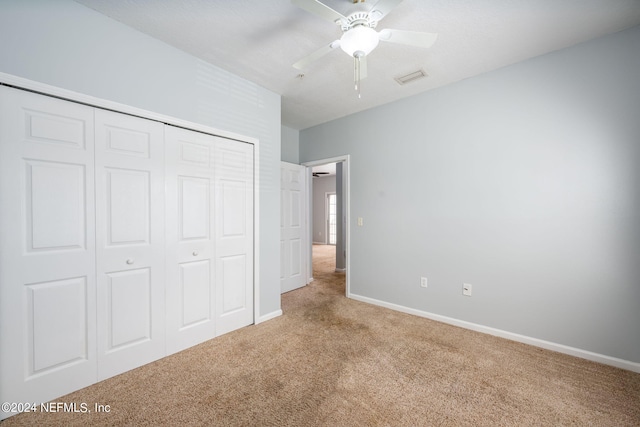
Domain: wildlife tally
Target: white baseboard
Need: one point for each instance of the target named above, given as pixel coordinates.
(269, 316)
(560, 348)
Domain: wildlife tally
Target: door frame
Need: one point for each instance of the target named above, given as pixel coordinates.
(346, 198)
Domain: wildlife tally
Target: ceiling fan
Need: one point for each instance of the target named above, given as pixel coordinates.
(358, 35)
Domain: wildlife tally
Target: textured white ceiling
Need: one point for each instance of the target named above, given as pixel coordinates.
(261, 39)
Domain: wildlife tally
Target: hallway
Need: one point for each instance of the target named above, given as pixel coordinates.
(324, 269)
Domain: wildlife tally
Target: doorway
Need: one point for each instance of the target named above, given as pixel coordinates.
(342, 215)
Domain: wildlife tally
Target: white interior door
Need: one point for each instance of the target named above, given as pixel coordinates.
(190, 210)
(293, 237)
(129, 241)
(234, 234)
(47, 270)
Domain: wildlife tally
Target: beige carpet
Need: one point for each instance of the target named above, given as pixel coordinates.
(330, 361)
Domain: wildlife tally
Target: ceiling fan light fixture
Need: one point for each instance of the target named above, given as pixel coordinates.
(359, 39)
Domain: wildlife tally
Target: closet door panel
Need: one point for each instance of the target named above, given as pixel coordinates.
(194, 208)
(57, 338)
(47, 267)
(195, 293)
(234, 283)
(128, 308)
(127, 191)
(190, 240)
(55, 206)
(234, 234)
(130, 241)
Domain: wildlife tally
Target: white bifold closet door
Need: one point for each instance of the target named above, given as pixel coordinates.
(129, 241)
(190, 266)
(47, 247)
(234, 235)
(209, 232)
(122, 240)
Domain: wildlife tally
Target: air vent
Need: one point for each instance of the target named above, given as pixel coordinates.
(411, 77)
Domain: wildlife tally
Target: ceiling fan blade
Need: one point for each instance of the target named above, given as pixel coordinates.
(380, 9)
(304, 62)
(319, 9)
(409, 38)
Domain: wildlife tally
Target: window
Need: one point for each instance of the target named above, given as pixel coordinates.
(331, 218)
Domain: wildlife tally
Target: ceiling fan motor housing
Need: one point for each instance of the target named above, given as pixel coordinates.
(356, 19)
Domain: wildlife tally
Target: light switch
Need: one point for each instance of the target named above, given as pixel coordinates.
(359, 221)
(466, 289)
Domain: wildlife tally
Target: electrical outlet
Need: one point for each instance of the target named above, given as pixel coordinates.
(423, 282)
(466, 289)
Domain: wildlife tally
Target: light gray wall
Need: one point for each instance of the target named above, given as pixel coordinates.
(321, 186)
(524, 182)
(67, 45)
(290, 145)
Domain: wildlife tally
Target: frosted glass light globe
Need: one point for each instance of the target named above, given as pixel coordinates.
(359, 39)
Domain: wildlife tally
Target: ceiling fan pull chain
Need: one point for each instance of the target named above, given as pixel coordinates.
(356, 72)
